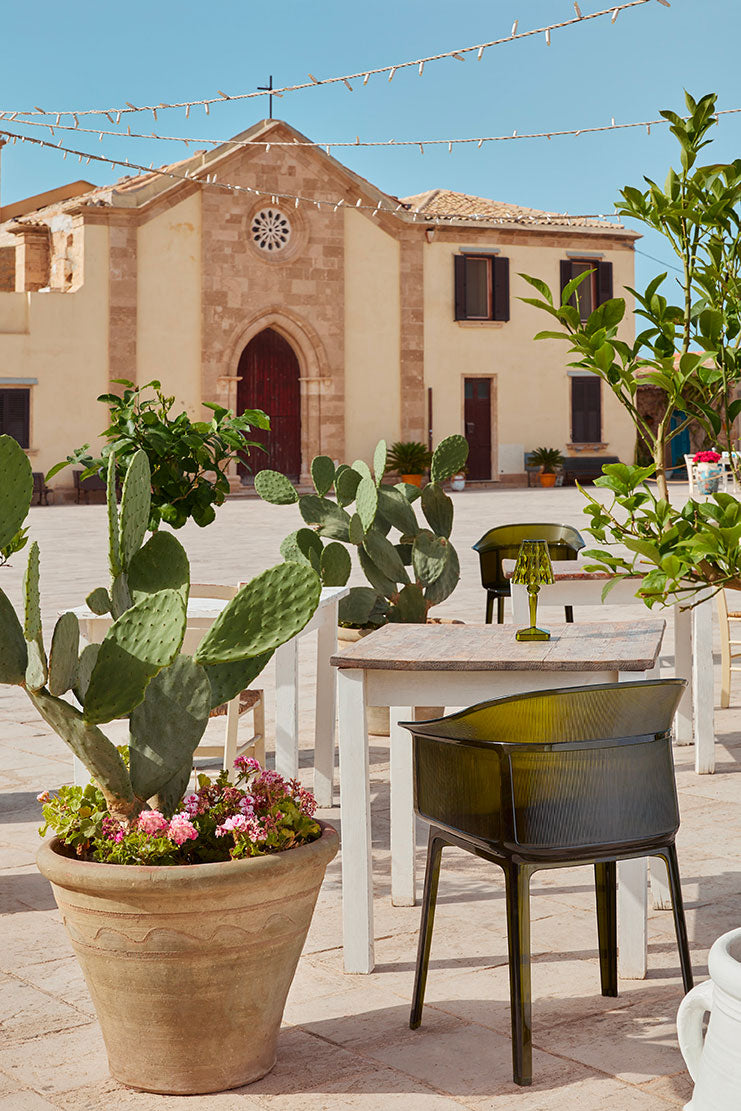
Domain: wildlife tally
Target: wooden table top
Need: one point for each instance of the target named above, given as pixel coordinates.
(594, 646)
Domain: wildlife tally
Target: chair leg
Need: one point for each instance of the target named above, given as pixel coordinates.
(489, 607)
(500, 609)
(605, 876)
(435, 848)
(258, 719)
(569, 614)
(230, 739)
(680, 925)
(517, 878)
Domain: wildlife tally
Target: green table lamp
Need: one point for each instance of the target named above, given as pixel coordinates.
(533, 570)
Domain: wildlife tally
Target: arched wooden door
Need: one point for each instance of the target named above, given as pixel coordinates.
(269, 373)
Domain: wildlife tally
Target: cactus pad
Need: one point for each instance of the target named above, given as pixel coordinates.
(331, 519)
(65, 644)
(274, 487)
(99, 601)
(135, 504)
(161, 564)
(410, 607)
(357, 606)
(395, 508)
(336, 565)
(448, 458)
(346, 485)
(16, 488)
(32, 602)
(120, 595)
(362, 468)
(380, 581)
(445, 584)
(270, 610)
(303, 546)
(429, 557)
(385, 556)
(438, 509)
(379, 461)
(322, 474)
(13, 651)
(409, 490)
(114, 548)
(140, 643)
(366, 502)
(227, 680)
(85, 665)
(356, 532)
(164, 729)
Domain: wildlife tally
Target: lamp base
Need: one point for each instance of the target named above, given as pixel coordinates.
(532, 633)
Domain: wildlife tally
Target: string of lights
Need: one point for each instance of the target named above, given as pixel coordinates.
(206, 178)
(115, 114)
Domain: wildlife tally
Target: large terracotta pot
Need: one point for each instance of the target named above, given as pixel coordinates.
(547, 479)
(412, 479)
(189, 968)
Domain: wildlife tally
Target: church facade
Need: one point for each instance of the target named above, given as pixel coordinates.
(348, 314)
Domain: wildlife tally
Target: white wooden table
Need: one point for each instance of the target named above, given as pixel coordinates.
(202, 612)
(693, 644)
(401, 666)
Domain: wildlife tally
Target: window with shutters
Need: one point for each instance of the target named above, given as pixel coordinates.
(481, 287)
(14, 415)
(594, 290)
(586, 409)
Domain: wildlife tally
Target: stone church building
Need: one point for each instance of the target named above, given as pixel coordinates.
(362, 317)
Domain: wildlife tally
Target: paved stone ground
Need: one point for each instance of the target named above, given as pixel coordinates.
(346, 1043)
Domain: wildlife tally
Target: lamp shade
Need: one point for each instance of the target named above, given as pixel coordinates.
(533, 567)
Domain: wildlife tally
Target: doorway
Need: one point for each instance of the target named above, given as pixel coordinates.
(270, 373)
(477, 418)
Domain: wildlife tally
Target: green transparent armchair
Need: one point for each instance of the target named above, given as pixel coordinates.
(503, 542)
(582, 775)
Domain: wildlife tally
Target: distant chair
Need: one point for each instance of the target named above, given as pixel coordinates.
(40, 490)
(503, 542)
(545, 780)
(730, 650)
(84, 487)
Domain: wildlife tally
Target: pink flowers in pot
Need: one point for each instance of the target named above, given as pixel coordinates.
(706, 457)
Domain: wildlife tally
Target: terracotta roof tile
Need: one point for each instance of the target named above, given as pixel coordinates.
(460, 207)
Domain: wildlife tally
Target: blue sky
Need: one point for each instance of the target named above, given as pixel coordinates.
(92, 55)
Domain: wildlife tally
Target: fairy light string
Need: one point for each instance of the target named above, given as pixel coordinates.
(115, 114)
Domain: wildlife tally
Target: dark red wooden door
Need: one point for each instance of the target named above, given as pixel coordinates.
(269, 371)
(477, 417)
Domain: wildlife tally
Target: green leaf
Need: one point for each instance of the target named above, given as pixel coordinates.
(135, 505)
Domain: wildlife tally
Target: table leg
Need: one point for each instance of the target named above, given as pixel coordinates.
(632, 918)
(403, 890)
(286, 709)
(703, 693)
(326, 706)
(355, 816)
(683, 670)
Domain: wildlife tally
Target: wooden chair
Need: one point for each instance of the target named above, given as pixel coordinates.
(727, 646)
(503, 542)
(84, 487)
(253, 700)
(40, 490)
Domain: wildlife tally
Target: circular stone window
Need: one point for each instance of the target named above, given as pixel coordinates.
(270, 230)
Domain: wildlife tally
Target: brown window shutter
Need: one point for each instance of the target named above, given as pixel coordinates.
(586, 410)
(14, 415)
(500, 288)
(604, 282)
(566, 275)
(460, 287)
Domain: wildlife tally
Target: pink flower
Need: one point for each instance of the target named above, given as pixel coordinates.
(191, 804)
(706, 457)
(44, 796)
(238, 823)
(181, 829)
(151, 822)
(245, 763)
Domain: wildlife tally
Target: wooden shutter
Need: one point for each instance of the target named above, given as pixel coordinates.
(566, 275)
(460, 287)
(604, 282)
(586, 410)
(500, 288)
(14, 415)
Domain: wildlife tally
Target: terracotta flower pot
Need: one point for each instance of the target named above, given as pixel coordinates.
(189, 968)
(412, 479)
(547, 479)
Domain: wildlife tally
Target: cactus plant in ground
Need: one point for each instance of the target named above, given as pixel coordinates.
(137, 672)
(407, 575)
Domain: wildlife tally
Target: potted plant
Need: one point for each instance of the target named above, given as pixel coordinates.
(407, 576)
(168, 900)
(709, 471)
(188, 460)
(410, 460)
(548, 459)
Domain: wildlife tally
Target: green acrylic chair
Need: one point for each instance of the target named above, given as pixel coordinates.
(581, 775)
(503, 542)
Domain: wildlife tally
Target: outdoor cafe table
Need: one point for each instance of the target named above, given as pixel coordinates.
(202, 612)
(693, 643)
(403, 666)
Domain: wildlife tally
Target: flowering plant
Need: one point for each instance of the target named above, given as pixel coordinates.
(259, 813)
(706, 457)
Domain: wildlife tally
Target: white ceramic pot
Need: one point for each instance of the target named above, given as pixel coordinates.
(458, 482)
(714, 1062)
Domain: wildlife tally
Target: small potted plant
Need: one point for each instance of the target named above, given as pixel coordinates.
(410, 460)
(709, 471)
(170, 902)
(548, 459)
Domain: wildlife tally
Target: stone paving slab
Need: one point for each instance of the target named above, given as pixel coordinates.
(346, 1041)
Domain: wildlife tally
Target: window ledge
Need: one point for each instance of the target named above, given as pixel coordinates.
(31, 450)
(481, 323)
(578, 448)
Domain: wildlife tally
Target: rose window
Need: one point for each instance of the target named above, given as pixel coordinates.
(270, 230)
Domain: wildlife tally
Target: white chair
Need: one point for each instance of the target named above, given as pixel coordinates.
(725, 478)
(253, 700)
(691, 474)
(727, 646)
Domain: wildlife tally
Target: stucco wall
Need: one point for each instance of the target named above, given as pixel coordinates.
(372, 344)
(531, 379)
(65, 346)
(169, 302)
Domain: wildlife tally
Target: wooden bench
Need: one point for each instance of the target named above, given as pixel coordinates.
(40, 490)
(585, 468)
(87, 486)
